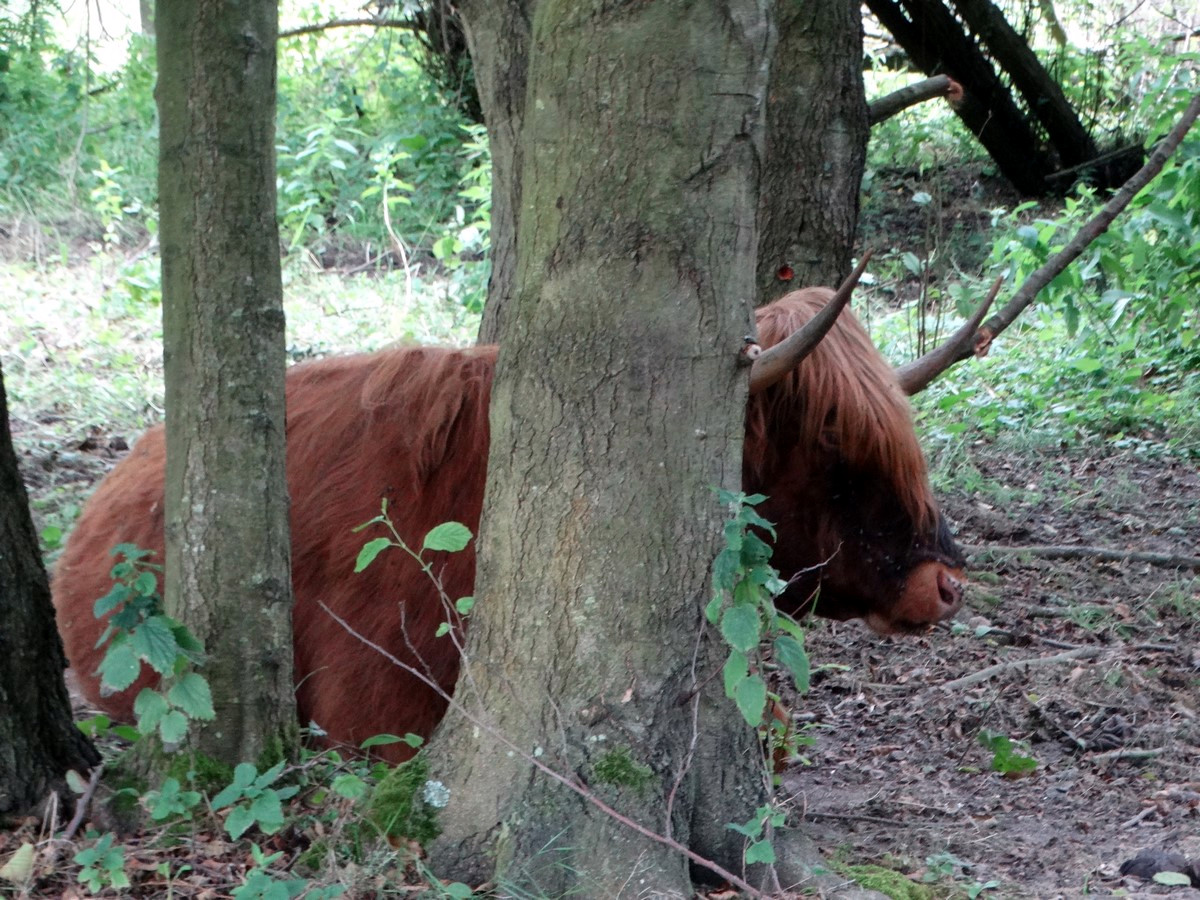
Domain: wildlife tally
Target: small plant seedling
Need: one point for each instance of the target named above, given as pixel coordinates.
(253, 799)
(1005, 756)
(103, 865)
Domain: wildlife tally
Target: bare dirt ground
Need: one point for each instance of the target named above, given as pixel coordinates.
(1092, 665)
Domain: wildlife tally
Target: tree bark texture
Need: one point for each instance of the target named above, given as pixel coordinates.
(935, 41)
(816, 148)
(39, 742)
(498, 37)
(617, 407)
(228, 553)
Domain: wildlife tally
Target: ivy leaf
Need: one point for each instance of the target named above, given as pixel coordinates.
(464, 605)
(751, 698)
(369, 551)
(191, 694)
(740, 626)
(119, 668)
(790, 654)
(449, 536)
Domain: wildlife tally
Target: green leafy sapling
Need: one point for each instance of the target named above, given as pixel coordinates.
(254, 800)
(103, 865)
(139, 632)
(745, 585)
(449, 537)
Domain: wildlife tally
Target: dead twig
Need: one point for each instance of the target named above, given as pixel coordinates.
(1126, 754)
(1019, 665)
(83, 802)
(1048, 551)
(372, 22)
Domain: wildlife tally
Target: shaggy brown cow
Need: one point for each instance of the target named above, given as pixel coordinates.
(832, 445)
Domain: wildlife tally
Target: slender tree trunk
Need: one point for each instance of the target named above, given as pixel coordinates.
(39, 742)
(816, 148)
(935, 41)
(228, 552)
(498, 36)
(617, 407)
(1042, 93)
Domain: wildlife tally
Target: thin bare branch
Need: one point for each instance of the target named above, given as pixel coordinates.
(371, 22)
(1019, 665)
(1163, 560)
(910, 95)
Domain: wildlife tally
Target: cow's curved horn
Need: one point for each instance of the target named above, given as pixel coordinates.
(772, 364)
(915, 376)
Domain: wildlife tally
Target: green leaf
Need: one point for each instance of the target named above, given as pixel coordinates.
(790, 654)
(380, 740)
(449, 536)
(1172, 878)
(760, 852)
(146, 584)
(110, 601)
(173, 727)
(238, 821)
(464, 605)
(712, 611)
(737, 667)
(154, 642)
(149, 708)
(268, 811)
(119, 668)
(370, 550)
(19, 867)
(350, 786)
(442, 629)
(740, 626)
(457, 891)
(751, 698)
(1086, 365)
(192, 695)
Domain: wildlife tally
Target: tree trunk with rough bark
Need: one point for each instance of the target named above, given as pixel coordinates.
(816, 148)
(498, 35)
(39, 742)
(617, 407)
(228, 550)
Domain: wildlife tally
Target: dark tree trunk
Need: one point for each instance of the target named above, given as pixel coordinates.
(1042, 94)
(39, 742)
(228, 549)
(816, 148)
(617, 405)
(934, 40)
(498, 35)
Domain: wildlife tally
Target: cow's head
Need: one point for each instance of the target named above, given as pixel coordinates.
(831, 443)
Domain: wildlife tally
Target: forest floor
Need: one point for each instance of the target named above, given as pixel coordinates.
(1087, 666)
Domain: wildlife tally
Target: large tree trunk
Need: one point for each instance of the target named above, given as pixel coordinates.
(816, 148)
(228, 551)
(498, 35)
(39, 742)
(617, 406)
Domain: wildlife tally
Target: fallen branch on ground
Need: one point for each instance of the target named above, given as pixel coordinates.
(1019, 665)
(1163, 560)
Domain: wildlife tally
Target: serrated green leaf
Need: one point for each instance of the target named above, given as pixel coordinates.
(149, 708)
(751, 698)
(238, 822)
(269, 776)
(736, 668)
(370, 550)
(146, 584)
(268, 811)
(350, 786)
(760, 852)
(449, 536)
(790, 654)
(119, 668)
(154, 642)
(192, 695)
(712, 612)
(173, 727)
(110, 601)
(740, 626)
